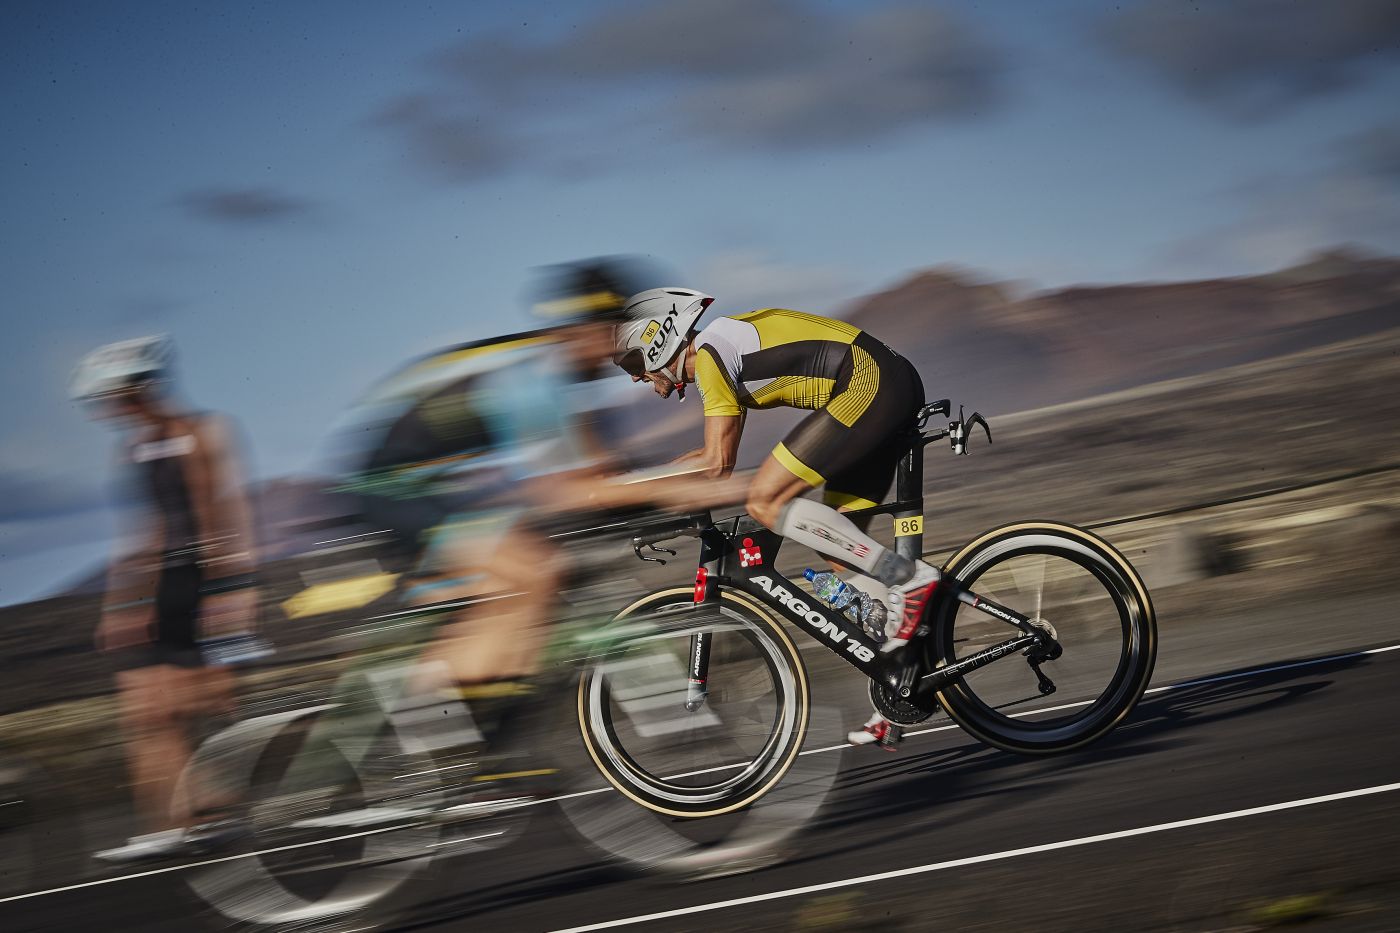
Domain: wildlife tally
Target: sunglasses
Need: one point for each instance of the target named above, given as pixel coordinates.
(632, 363)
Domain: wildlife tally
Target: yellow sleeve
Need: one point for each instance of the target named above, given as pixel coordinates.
(715, 389)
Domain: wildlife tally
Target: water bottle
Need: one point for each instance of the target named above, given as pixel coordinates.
(831, 589)
(853, 603)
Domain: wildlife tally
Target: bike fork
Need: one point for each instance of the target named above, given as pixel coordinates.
(697, 687)
(707, 593)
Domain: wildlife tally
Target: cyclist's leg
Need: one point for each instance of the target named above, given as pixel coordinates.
(463, 550)
(798, 519)
(163, 688)
(852, 439)
(515, 569)
(490, 655)
(863, 486)
(156, 746)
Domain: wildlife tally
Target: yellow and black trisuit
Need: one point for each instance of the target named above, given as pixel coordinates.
(863, 396)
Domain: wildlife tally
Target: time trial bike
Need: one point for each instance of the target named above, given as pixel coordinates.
(1065, 601)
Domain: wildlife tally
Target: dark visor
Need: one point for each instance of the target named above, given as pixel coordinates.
(632, 363)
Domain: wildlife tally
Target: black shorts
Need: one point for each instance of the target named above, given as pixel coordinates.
(854, 443)
(176, 641)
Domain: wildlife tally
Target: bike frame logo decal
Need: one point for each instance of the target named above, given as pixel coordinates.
(750, 555)
(797, 607)
(984, 606)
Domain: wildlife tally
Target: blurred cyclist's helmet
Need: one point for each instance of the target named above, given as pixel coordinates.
(587, 291)
(658, 323)
(119, 366)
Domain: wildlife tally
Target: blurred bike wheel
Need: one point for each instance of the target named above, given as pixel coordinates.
(329, 830)
(732, 749)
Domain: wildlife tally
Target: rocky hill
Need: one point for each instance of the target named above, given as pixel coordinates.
(981, 342)
(1001, 349)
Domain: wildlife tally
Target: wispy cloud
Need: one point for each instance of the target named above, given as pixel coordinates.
(1256, 57)
(450, 143)
(242, 205)
(1353, 198)
(663, 80)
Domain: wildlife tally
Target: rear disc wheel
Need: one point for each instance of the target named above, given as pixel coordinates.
(1067, 581)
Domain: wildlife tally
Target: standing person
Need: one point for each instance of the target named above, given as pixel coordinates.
(184, 573)
(862, 397)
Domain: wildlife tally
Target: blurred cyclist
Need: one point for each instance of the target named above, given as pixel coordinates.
(475, 451)
(862, 397)
(184, 573)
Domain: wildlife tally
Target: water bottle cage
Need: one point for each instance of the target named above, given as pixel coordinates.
(958, 431)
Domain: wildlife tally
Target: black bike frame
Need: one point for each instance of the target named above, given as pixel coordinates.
(743, 558)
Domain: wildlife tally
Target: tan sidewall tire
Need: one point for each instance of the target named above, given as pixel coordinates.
(759, 616)
(953, 567)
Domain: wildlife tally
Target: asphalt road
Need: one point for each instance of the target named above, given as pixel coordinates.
(1241, 799)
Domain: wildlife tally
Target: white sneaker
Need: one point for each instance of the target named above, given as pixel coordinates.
(165, 843)
(877, 731)
(906, 605)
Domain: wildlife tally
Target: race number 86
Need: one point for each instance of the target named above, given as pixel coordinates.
(908, 525)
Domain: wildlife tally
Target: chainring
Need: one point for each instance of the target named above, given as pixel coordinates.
(901, 712)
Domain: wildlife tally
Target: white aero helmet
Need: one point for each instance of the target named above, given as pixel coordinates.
(658, 321)
(123, 365)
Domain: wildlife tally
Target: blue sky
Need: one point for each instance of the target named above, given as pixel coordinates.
(306, 194)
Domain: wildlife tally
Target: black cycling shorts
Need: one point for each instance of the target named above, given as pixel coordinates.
(176, 641)
(854, 443)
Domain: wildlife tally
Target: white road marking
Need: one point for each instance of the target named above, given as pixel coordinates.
(458, 842)
(200, 864)
(1234, 675)
(989, 857)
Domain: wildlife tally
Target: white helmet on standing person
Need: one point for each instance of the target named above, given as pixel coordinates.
(128, 364)
(659, 322)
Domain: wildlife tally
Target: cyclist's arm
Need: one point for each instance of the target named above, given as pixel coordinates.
(682, 488)
(230, 557)
(224, 507)
(721, 450)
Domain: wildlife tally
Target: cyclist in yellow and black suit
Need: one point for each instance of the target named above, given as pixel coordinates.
(861, 394)
(863, 397)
